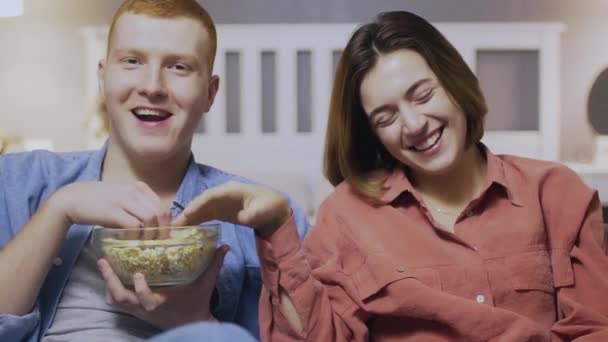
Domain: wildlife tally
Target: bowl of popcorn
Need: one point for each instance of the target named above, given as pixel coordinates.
(164, 255)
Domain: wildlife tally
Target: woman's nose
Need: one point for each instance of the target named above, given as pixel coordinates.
(414, 122)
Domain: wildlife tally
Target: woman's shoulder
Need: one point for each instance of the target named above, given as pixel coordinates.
(551, 182)
(345, 194)
(539, 170)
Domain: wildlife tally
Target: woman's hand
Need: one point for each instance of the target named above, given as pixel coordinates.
(255, 206)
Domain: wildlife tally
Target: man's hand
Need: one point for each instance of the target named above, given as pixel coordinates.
(114, 205)
(246, 204)
(166, 307)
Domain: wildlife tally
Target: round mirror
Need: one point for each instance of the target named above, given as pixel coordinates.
(597, 105)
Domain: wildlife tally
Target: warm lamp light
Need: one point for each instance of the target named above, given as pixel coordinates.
(11, 8)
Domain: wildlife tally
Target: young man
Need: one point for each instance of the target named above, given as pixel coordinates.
(156, 82)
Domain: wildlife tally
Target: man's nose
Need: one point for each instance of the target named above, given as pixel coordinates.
(152, 85)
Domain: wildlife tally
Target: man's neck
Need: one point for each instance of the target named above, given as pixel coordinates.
(457, 188)
(162, 176)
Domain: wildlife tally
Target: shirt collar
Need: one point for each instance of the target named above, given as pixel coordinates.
(192, 183)
(92, 171)
(397, 183)
(498, 173)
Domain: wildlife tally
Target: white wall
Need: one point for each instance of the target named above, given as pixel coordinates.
(41, 64)
(41, 71)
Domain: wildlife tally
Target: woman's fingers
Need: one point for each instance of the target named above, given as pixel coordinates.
(220, 203)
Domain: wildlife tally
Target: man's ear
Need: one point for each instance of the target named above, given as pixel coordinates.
(101, 68)
(212, 88)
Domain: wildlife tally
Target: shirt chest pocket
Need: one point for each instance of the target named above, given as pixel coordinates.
(374, 276)
(529, 271)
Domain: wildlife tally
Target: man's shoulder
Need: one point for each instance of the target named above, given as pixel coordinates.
(213, 176)
(43, 164)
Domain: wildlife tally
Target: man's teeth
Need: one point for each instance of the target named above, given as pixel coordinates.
(428, 142)
(146, 111)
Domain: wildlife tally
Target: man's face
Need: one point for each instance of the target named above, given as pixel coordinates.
(156, 84)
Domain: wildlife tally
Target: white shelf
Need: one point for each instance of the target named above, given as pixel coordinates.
(595, 175)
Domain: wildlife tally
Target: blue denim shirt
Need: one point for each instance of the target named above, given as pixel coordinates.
(28, 179)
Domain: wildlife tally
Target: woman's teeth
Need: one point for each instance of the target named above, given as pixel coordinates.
(428, 142)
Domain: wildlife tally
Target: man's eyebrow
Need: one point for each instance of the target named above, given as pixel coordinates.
(186, 56)
(126, 51)
(171, 56)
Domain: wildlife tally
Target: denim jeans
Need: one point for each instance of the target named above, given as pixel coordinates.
(206, 331)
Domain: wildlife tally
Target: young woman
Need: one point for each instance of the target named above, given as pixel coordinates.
(428, 236)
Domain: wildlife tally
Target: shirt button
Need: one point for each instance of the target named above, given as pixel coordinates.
(480, 299)
(57, 261)
(401, 269)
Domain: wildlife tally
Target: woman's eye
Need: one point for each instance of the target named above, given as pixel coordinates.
(425, 96)
(386, 120)
(130, 60)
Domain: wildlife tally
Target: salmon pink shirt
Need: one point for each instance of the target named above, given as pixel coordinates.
(527, 262)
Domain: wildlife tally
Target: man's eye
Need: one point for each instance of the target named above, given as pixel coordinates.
(130, 60)
(180, 67)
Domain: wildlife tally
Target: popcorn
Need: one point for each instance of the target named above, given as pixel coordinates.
(175, 260)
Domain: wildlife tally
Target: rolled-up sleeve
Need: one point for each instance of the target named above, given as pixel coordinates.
(247, 314)
(12, 328)
(18, 328)
(311, 275)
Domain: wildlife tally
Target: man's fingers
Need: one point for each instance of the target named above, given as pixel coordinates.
(148, 299)
(117, 291)
(123, 219)
(209, 277)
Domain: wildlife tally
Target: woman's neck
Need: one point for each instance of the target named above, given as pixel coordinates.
(454, 190)
(162, 176)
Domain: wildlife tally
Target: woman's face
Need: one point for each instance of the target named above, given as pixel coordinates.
(411, 113)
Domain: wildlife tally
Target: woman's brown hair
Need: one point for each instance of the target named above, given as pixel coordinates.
(352, 150)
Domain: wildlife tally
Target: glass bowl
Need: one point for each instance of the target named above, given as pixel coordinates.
(164, 255)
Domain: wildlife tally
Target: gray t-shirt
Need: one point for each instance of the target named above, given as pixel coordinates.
(83, 314)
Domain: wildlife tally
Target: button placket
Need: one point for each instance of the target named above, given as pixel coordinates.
(57, 261)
